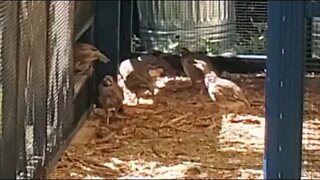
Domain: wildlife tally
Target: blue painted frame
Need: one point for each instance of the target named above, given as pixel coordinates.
(284, 89)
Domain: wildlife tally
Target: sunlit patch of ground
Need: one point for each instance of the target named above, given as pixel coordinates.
(182, 135)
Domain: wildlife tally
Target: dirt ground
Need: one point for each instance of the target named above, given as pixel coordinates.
(182, 135)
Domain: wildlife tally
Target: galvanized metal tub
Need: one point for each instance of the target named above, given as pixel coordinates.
(197, 25)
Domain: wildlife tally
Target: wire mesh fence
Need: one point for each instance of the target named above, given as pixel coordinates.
(217, 27)
(8, 31)
(311, 125)
(36, 79)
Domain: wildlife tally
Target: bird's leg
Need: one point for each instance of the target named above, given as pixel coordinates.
(108, 116)
(138, 102)
(137, 97)
(116, 113)
(202, 89)
(225, 113)
(234, 116)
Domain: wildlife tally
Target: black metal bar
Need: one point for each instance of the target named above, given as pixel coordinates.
(39, 78)
(284, 89)
(107, 34)
(107, 39)
(22, 82)
(126, 15)
(70, 75)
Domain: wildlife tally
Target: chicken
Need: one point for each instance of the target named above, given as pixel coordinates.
(189, 61)
(225, 93)
(162, 62)
(186, 54)
(110, 96)
(136, 64)
(138, 83)
(84, 55)
(135, 74)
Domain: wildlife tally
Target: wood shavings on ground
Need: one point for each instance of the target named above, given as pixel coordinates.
(183, 135)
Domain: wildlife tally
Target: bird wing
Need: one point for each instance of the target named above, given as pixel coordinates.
(227, 92)
(232, 91)
(86, 53)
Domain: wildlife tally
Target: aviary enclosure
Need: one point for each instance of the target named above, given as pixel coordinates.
(178, 133)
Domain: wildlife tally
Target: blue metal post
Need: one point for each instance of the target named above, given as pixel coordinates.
(284, 89)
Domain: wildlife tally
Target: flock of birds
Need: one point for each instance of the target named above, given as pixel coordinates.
(135, 73)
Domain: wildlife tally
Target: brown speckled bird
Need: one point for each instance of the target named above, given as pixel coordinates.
(84, 55)
(225, 93)
(189, 61)
(162, 62)
(110, 96)
(138, 83)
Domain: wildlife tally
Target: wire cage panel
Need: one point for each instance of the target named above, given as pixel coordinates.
(8, 52)
(197, 25)
(60, 66)
(36, 67)
(23, 57)
(34, 15)
(251, 26)
(217, 27)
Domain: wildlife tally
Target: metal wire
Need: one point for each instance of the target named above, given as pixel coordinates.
(8, 31)
(311, 135)
(60, 53)
(251, 26)
(23, 56)
(36, 87)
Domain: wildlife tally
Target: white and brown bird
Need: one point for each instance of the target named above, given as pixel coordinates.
(141, 64)
(226, 94)
(189, 63)
(135, 74)
(84, 55)
(110, 96)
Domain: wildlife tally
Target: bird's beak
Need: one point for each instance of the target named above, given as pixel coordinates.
(103, 57)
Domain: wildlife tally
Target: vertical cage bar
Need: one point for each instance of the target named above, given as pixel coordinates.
(23, 53)
(8, 80)
(38, 64)
(126, 13)
(284, 89)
